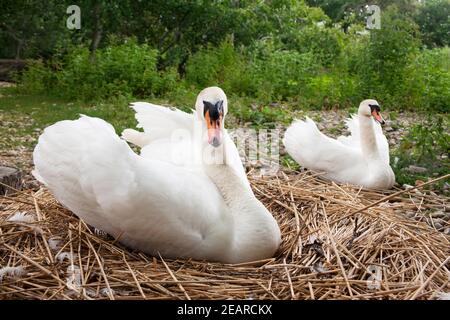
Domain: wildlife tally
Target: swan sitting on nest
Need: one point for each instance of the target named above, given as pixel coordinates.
(204, 211)
(360, 159)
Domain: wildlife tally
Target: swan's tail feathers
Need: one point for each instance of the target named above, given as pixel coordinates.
(140, 139)
(299, 140)
(160, 122)
(85, 165)
(352, 125)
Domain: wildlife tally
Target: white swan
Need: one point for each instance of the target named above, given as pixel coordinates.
(154, 205)
(171, 135)
(360, 159)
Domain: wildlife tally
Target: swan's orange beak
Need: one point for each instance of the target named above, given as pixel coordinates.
(377, 116)
(214, 130)
(214, 114)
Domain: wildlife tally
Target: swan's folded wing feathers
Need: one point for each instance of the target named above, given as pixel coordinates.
(314, 150)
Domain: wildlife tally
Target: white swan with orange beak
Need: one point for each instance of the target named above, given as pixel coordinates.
(178, 137)
(361, 159)
(204, 212)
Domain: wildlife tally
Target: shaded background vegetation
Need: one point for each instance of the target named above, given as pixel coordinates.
(307, 54)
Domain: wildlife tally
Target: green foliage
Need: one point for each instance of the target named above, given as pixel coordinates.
(426, 145)
(31, 28)
(222, 66)
(290, 163)
(266, 73)
(326, 44)
(427, 81)
(433, 19)
(261, 115)
(268, 51)
(283, 74)
(333, 90)
(37, 78)
(384, 57)
(126, 69)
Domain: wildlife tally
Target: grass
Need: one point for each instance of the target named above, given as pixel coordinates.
(45, 110)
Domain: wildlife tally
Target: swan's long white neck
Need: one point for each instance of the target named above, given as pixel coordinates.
(368, 139)
(255, 228)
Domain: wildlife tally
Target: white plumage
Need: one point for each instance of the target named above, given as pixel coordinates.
(360, 159)
(153, 204)
(169, 134)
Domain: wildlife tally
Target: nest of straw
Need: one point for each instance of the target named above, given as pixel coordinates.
(338, 243)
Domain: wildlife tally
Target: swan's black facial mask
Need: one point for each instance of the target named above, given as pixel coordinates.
(375, 111)
(213, 114)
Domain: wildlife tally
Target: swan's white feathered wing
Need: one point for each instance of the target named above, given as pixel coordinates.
(158, 121)
(314, 150)
(354, 141)
(98, 177)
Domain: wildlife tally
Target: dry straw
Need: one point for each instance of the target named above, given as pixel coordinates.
(338, 243)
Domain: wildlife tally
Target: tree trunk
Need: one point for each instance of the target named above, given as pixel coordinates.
(97, 34)
(19, 48)
(10, 180)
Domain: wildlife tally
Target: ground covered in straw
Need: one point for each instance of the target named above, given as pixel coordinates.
(334, 247)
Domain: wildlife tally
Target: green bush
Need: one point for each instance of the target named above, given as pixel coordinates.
(333, 90)
(36, 79)
(325, 43)
(283, 74)
(386, 65)
(126, 69)
(223, 66)
(264, 73)
(428, 80)
(381, 60)
(427, 145)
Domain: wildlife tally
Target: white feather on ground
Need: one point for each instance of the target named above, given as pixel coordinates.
(64, 255)
(106, 292)
(12, 272)
(73, 280)
(54, 244)
(443, 296)
(23, 217)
